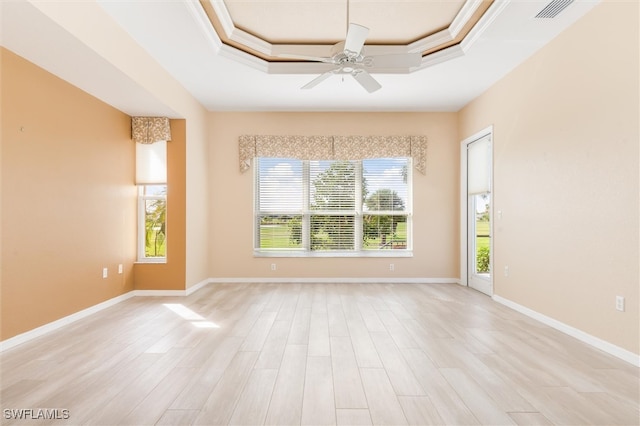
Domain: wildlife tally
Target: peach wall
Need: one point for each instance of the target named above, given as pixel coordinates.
(197, 199)
(68, 199)
(435, 206)
(566, 175)
(170, 275)
(114, 45)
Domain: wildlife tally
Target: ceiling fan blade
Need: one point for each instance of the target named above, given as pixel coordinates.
(402, 60)
(356, 36)
(369, 83)
(319, 79)
(305, 58)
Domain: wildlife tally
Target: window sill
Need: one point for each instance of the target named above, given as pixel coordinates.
(320, 254)
(161, 261)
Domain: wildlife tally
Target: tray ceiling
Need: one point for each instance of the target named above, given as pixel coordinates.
(264, 29)
(224, 53)
(325, 22)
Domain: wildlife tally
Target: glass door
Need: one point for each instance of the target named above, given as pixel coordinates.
(479, 215)
(479, 242)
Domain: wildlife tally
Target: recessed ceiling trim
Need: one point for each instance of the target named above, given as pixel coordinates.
(222, 13)
(231, 35)
(441, 56)
(431, 42)
(245, 58)
(252, 42)
(483, 23)
(469, 25)
(200, 16)
(464, 16)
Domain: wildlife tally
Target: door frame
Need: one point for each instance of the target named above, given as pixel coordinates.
(464, 213)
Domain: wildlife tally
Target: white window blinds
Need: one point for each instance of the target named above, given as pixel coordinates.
(332, 205)
(386, 203)
(479, 166)
(151, 163)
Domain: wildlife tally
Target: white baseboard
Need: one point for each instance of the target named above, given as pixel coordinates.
(42, 330)
(399, 280)
(596, 342)
(162, 293)
(197, 286)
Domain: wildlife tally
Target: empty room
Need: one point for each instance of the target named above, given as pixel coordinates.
(316, 212)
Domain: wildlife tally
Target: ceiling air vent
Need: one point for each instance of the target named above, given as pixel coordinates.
(554, 8)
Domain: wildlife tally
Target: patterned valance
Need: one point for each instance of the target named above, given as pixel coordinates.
(150, 129)
(333, 148)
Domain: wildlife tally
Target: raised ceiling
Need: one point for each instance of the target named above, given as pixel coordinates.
(326, 21)
(265, 29)
(225, 53)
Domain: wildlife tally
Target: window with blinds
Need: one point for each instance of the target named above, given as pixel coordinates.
(386, 204)
(332, 207)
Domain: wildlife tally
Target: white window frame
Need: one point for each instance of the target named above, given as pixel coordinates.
(142, 199)
(358, 213)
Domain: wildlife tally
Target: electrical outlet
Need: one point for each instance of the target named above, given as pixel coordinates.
(273, 267)
(620, 303)
(105, 272)
(392, 267)
(506, 271)
(120, 269)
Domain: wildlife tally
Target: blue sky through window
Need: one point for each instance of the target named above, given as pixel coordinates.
(281, 180)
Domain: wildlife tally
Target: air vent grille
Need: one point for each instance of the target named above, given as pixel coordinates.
(554, 8)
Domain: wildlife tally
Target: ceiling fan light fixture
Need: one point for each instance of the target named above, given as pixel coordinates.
(348, 59)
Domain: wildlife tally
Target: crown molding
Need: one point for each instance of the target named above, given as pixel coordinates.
(485, 21)
(223, 16)
(464, 16)
(441, 56)
(432, 42)
(245, 58)
(200, 16)
(251, 41)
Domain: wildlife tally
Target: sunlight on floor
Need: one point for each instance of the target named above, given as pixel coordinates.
(186, 313)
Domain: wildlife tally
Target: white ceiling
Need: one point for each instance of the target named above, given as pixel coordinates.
(223, 79)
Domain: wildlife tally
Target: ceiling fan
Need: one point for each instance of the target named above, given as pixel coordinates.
(348, 58)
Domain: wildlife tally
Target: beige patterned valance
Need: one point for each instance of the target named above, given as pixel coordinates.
(150, 129)
(333, 148)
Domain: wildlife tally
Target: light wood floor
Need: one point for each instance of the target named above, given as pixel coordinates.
(317, 354)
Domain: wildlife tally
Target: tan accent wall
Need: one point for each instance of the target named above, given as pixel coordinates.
(566, 166)
(435, 196)
(114, 45)
(170, 275)
(68, 199)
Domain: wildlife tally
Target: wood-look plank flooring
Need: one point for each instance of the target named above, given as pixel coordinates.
(316, 354)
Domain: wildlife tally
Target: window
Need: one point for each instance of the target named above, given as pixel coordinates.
(152, 226)
(332, 207)
(151, 177)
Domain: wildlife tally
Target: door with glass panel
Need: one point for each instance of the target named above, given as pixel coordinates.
(479, 215)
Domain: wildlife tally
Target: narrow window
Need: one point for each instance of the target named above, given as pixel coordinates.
(151, 178)
(386, 215)
(152, 223)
